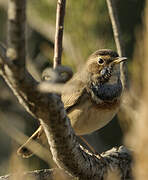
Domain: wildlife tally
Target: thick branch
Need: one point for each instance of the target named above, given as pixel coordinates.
(59, 32)
(118, 39)
(65, 148)
(114, 159)
(21, 83)
(16, 31)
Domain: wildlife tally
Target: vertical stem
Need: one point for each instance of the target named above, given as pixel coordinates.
(118, 39)
(116, 26)
(16, 32)
(59, 32)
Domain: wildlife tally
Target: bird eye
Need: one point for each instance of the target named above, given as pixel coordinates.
(100, 61)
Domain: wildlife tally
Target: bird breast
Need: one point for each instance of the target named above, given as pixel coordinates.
(87, 116)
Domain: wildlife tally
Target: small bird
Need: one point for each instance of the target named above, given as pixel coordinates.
(94, 99)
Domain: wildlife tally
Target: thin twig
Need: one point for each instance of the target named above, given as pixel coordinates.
(116, 26)
(59, 32)
(118, 39)
(16, 31)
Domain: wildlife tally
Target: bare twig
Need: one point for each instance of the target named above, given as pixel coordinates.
(59, 32)
(116, 26)
(118, 39)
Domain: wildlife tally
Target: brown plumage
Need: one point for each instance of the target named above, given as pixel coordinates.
(94, 98)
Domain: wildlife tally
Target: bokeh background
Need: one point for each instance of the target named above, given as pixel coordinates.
(87, 28)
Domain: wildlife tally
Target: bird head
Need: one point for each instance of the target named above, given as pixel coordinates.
(101, 64)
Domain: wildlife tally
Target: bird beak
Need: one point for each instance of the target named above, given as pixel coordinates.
(119, 60)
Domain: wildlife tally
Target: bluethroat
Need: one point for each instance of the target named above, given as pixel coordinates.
(94, 99)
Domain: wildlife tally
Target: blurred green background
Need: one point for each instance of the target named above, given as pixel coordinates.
(87, 28)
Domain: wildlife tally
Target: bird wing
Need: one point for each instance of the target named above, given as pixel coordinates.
(71, 98)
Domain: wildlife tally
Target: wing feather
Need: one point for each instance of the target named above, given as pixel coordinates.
(72, 98)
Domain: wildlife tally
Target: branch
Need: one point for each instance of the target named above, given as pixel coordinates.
(59, 32)
(49, 109)
(64, 146)
(16, 31)
(114, 159)
(116, 26)
(118, 39)
(45, 174)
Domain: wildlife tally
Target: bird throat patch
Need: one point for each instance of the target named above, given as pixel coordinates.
(107, 92)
